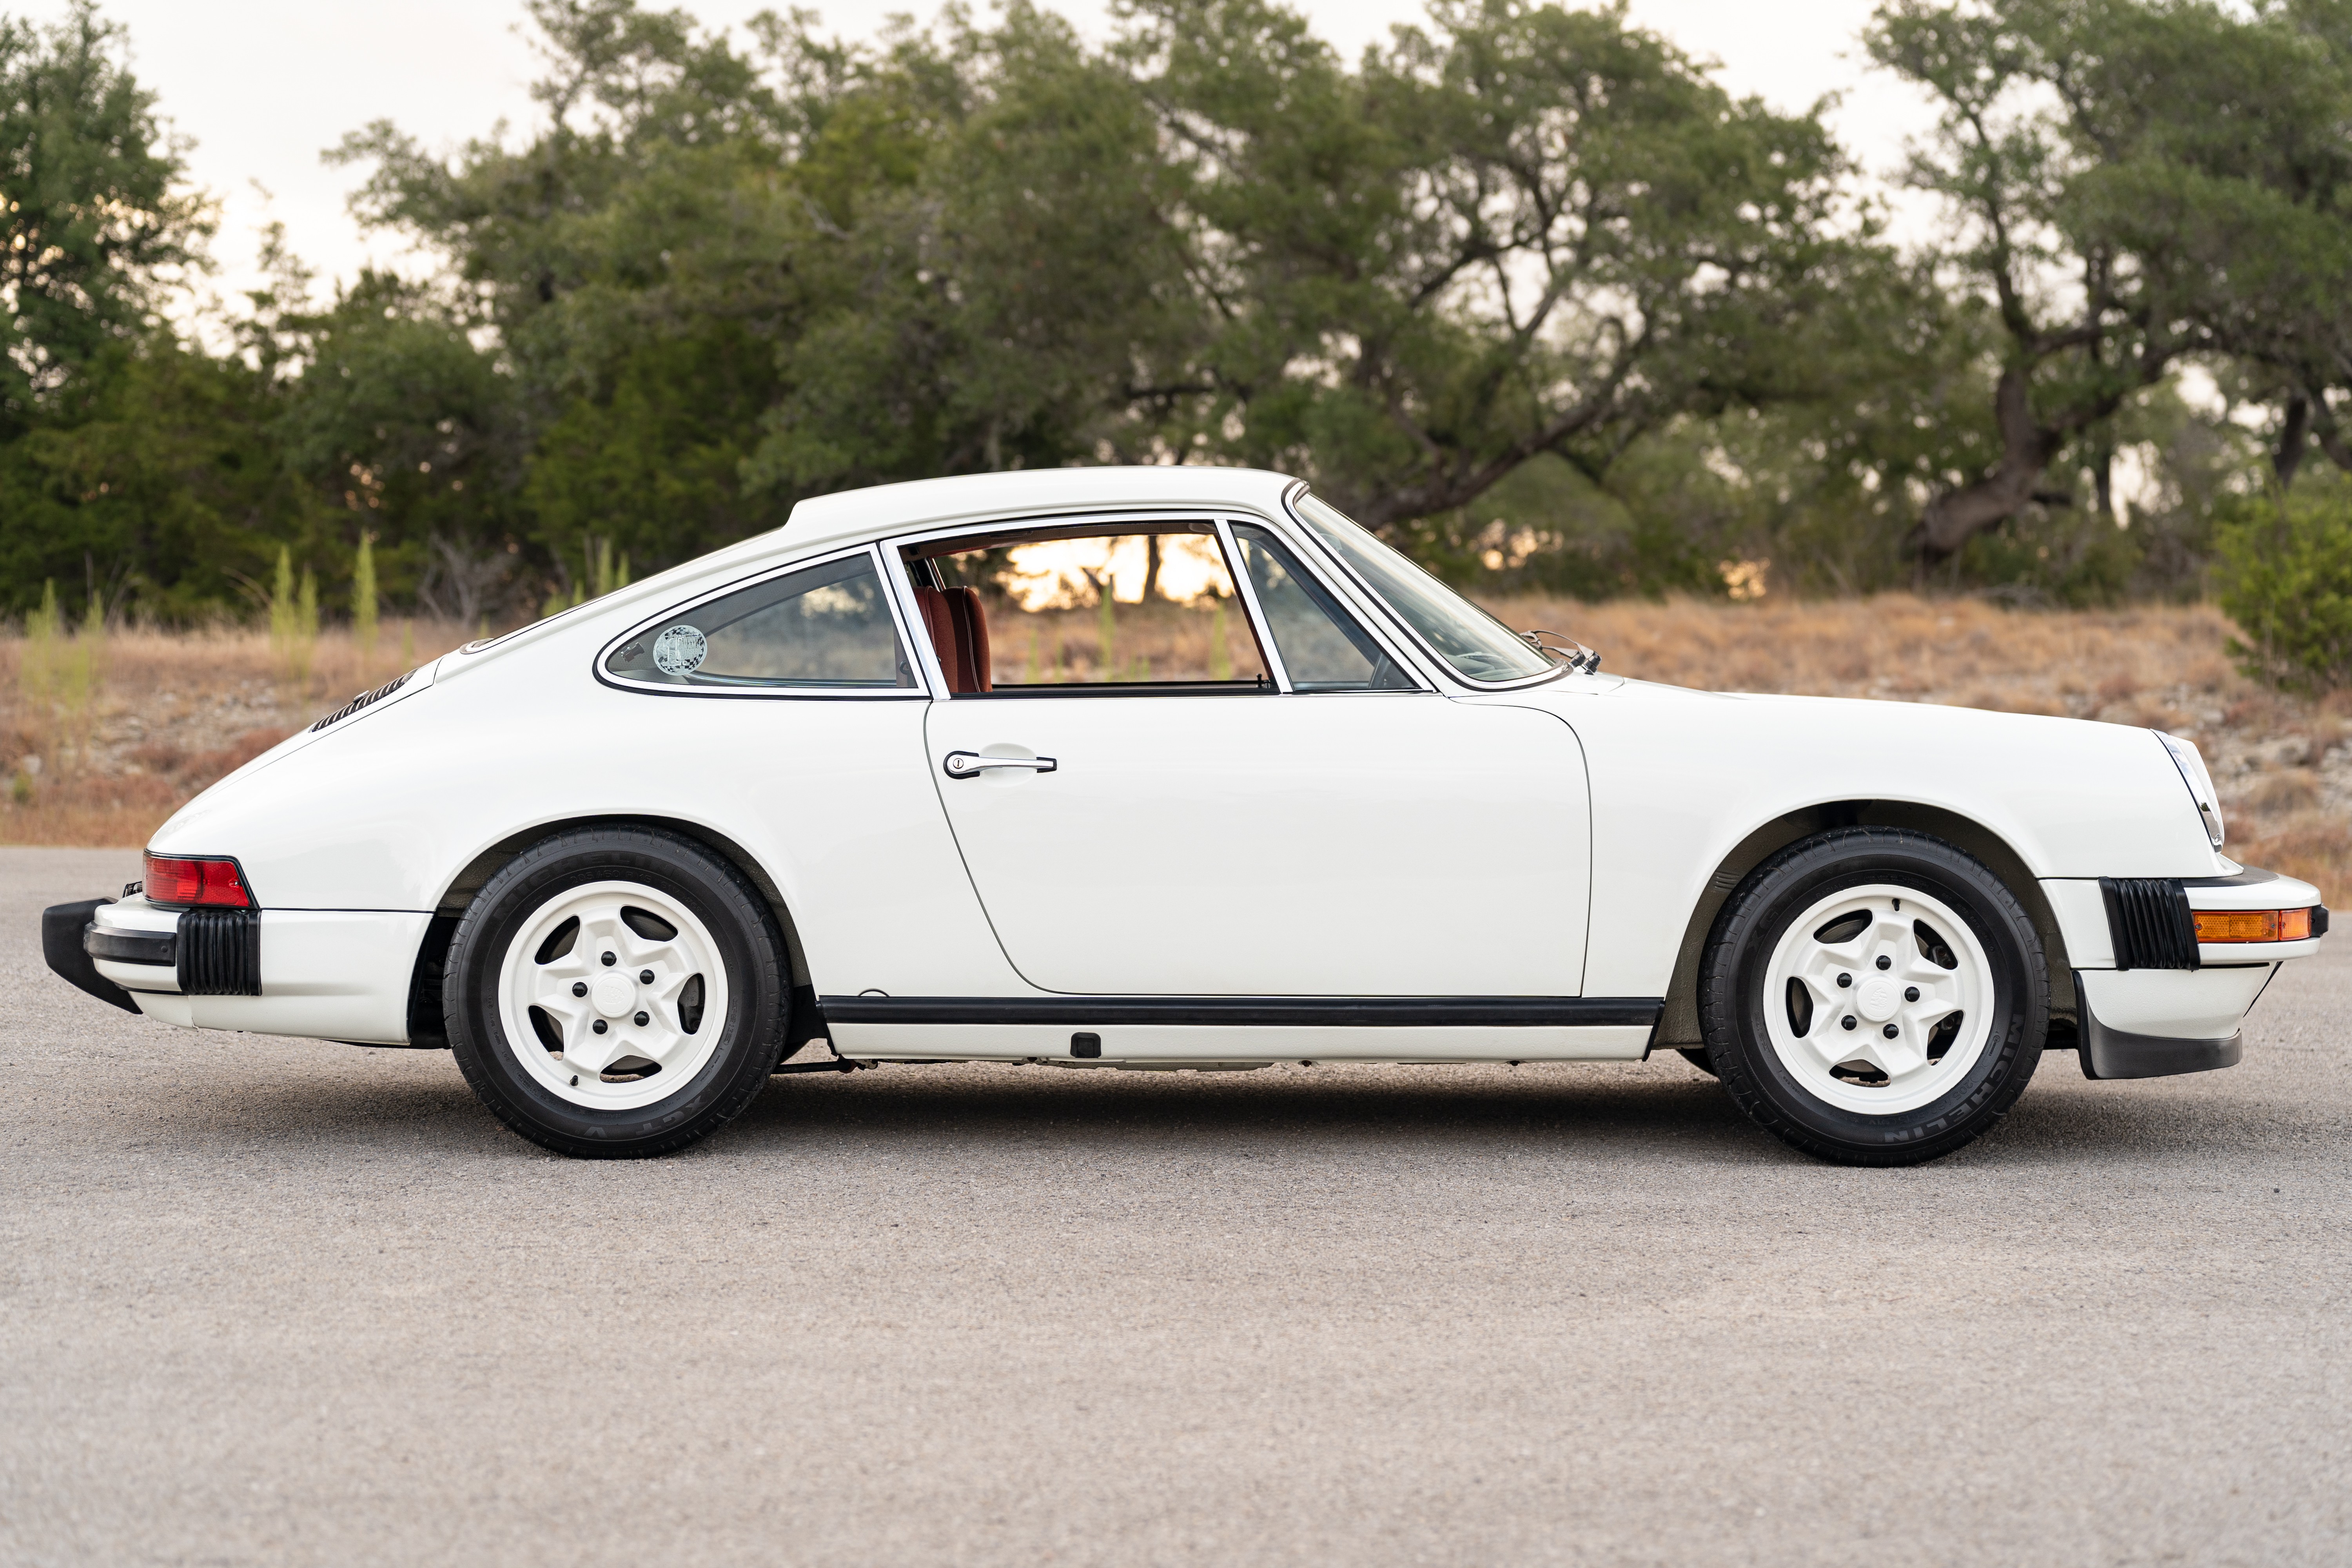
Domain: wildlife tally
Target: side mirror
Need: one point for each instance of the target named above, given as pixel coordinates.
(1577, 657)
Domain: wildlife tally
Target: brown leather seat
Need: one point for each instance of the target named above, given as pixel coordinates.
(959, 632)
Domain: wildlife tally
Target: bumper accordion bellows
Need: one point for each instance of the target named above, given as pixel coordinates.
(220, 953)
(2151, 923)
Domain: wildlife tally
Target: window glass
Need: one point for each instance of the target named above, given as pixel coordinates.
(1077, 608)
(1474, 642)
(827, 626)
(1322, 647)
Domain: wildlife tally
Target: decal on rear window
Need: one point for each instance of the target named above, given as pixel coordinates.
(680, 650)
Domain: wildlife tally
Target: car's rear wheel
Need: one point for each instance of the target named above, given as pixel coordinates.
(616, 992)
(1874, 996)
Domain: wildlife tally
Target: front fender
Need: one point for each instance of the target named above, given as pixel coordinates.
(1680, 779)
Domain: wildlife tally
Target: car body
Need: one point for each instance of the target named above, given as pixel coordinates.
(1521, 865)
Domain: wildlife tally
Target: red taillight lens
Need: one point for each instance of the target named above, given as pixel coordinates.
(191, 879)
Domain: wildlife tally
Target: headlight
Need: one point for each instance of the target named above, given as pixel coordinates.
(2185, 757)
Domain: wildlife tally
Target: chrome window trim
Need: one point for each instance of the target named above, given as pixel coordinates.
(917, 692)
(1246, 590)
(1221, 519)
(1388, 612)
(1402, 657)
(902, 593)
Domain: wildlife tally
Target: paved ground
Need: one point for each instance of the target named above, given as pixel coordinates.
(279, 1301)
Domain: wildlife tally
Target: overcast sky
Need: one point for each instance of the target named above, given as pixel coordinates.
(263, 86)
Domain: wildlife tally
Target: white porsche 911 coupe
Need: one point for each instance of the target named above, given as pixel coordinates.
(1292, 800)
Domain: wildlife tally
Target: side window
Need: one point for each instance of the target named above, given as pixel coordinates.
(1322, 647)
(826, 627)
(1086, 607)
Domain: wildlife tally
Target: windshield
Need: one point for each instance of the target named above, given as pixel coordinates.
(1475, 644)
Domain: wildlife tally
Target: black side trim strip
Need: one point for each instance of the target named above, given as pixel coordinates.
(1326, 1012)
(131, 947)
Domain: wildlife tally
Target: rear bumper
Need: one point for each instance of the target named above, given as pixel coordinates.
(62, 930)
(337, 975)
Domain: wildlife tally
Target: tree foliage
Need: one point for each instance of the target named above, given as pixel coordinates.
(2287, 580)
(2136, 182)
(92, 216)
(1522, 286)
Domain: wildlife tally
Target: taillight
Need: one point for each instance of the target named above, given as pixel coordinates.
(196, 879)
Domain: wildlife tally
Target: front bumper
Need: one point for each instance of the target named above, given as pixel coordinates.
(2178, 1010)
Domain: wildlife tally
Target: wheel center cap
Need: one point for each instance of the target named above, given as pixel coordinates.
(1878, 1000)
(614, 994)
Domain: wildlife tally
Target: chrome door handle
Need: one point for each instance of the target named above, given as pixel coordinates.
(972, 764)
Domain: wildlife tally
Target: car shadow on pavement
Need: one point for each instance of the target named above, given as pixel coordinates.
(413, 1103)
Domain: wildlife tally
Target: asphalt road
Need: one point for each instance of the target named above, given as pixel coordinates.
(281, 1302)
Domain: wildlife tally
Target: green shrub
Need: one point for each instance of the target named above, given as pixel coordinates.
(2285, 577)
(363, 596)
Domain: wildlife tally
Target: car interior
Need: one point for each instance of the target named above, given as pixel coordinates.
(1077, 608)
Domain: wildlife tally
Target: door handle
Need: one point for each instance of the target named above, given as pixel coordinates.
(972, 764)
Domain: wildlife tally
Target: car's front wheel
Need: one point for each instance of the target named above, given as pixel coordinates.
(1874, 996)
(616, 992)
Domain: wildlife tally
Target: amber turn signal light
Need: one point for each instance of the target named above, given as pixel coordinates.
(2254, 925)
(196, 879)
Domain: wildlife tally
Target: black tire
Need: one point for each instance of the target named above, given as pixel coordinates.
(1731, 1001)
(1696, 1056)
(741, 925)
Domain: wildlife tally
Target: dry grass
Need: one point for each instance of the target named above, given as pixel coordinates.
(171, 713)
(174, 712)
(1159, 641)
(2281, 763)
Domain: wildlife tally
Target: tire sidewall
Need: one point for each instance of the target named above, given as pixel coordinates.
(1732, 999)
(740, 926)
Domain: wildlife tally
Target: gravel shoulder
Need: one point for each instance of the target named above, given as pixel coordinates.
(283, 1301)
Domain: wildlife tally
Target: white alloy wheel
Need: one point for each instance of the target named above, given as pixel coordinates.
(625, 1014)
(1878, 999)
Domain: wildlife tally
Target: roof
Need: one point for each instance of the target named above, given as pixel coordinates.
(920, 503)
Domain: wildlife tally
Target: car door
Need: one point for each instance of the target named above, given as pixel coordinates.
(1340, 829)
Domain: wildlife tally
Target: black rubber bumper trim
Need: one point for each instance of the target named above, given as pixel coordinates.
(2249, 877)
(62, 926)
(220, 953)
(2116, 1053)
(158, 948)
(1257, 1012)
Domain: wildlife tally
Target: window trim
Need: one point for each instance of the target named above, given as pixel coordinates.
(1355, 579)
(916, 662)
(1081, 524)
(1340, 597)
(1268, 650)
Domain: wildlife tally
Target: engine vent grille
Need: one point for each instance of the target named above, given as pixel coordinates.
(220, 953)
(2149, 920)
(364, 700)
